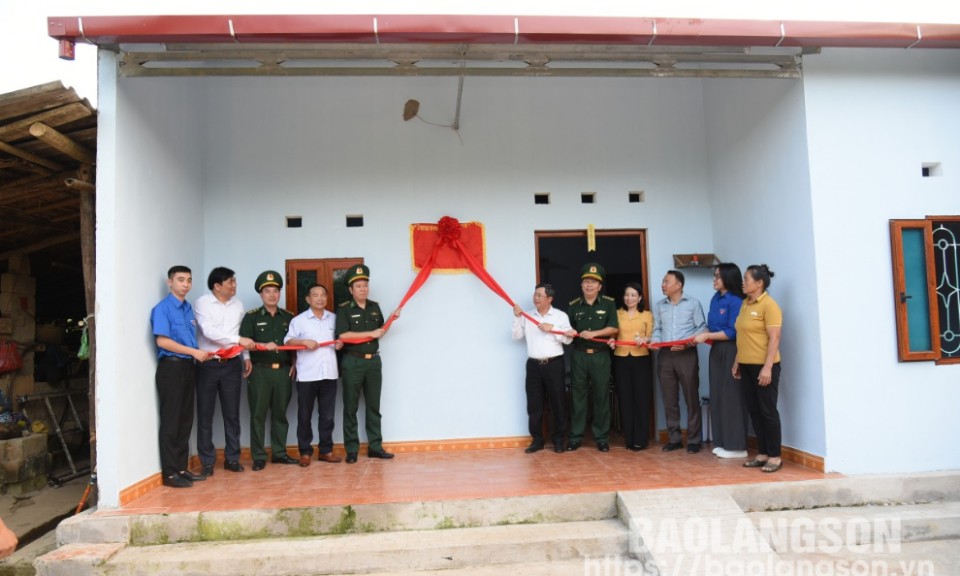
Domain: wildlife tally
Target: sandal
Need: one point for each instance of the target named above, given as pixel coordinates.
(755, 463)
(771, 467)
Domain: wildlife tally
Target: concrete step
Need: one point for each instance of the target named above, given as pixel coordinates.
(493, 547)
(554, 568)
(859, 526)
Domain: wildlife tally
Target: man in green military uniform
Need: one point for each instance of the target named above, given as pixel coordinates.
(591, 316)
(268, 372)
(361, 370)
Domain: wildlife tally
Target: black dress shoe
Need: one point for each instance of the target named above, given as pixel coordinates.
(573, 446)
(534, 447)
(285, 459)
(233, 466)
(188, 475)
(207, 470)
(558, 447)
(177, 481)
(351, 457)
(259, 465)
(603, 447)
(693, 448)
(381, 454)
(670, 447)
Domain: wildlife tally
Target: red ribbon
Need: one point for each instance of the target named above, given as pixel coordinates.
(449, 234)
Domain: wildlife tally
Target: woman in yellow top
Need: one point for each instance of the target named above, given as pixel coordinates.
(758, 364)
(632, 368)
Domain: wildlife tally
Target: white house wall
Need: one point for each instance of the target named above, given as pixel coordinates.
(203, 171)
(148, 219)
(760, 198)
(326, 147)
(873, 118)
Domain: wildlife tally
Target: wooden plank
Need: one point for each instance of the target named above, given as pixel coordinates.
(58, 141)
(62, 239)
(56, 117)
(31, 92)
(29, 157)
(88, 253)
(38, 102)
(32, 186)
(47, 207)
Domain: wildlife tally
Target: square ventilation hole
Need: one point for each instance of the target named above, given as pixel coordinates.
(541, 198)
(354, 220)
(294, 222)
(928, 169)
(636, 197)
(588, 198)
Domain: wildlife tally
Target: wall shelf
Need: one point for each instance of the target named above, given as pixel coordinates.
(699, 260)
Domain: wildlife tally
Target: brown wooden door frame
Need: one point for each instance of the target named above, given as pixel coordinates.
(325, 269)
(641, 233)
(644, 273)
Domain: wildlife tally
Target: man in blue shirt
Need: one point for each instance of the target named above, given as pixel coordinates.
(677, 318)
(175, 329)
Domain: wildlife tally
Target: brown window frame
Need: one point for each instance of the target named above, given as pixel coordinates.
(900, 295)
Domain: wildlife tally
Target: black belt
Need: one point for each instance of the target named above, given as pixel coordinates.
(176, 359)
(273, 365)
(225, 360)
(367, 356)
(543, 361)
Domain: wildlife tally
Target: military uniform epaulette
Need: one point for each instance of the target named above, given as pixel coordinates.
(605, 297)
(345, 304)
(574, 301)
(252, 311)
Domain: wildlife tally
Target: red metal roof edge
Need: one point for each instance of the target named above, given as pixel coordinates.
(498, 30)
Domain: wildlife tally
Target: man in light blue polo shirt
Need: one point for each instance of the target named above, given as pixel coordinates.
(677, 318)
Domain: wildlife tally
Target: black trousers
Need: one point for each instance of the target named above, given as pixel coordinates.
(633, 376)
(223, 380)
(324, 394)
(545, 382)
(176, 382)
(762, 405)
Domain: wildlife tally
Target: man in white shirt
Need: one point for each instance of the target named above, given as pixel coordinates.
(316, 374)
(219, 315)
(545, 371)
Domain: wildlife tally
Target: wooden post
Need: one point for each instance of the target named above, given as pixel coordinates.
(88, 221)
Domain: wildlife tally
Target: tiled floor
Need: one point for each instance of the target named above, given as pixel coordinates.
(452, 475)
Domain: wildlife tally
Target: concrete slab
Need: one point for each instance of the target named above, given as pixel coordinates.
(147, 529)
(360, 553)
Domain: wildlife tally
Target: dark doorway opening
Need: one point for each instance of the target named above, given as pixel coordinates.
(560, 255)
(622, 253)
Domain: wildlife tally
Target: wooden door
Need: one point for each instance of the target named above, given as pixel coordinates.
(329, 272)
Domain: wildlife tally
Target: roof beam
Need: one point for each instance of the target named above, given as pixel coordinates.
(65, 144)
(36, 246)
(30, 157)
(556, 60)
(56, 117)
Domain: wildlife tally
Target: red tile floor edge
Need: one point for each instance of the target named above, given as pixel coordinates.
(456, 475)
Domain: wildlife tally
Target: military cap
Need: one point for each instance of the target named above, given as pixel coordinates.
(592, 270)
(358, 272)
(268, 278)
